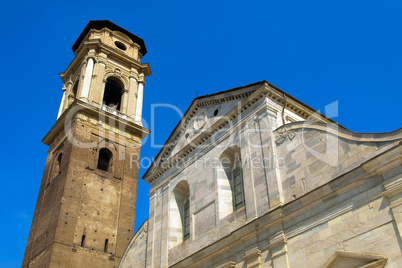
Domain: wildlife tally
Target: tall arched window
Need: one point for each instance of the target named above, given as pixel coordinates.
(113, 93)
(105, 159)
(230, 181)
(180, 216)
(238, 199)
(186, 219)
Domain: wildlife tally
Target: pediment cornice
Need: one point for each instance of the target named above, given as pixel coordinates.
(248, 95)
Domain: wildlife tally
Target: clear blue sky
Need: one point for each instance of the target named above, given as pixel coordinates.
(317, 51)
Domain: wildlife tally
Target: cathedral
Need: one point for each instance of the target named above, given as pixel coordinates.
(249, 177)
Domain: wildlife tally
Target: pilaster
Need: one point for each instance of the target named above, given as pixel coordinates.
(99, 82)
(252, 258)
(279, 250)
(151, 231)
(393, 191)
(63, 100)
(138, 112)
(86, 85)
(274, 182)
(132, 94)
(249, 191)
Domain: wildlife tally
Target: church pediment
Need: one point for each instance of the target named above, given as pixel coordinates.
(203, 113)
(208, 114)
(348, 259)
(203, 116)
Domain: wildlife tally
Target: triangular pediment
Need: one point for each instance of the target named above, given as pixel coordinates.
(348, 259)
(207, 113)
(204, 112)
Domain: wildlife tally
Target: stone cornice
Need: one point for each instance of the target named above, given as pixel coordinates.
(111, 52)
(85, 108)
(393, 188)
(344, 133)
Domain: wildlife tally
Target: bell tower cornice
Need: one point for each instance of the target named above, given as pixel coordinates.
(88, 113)
(103, 54)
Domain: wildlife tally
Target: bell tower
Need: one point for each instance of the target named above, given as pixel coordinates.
(84, 215)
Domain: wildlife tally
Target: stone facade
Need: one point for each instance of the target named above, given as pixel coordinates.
(84, 216)
(250, 177)
(311, 194)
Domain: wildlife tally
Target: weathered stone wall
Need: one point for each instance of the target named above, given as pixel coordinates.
(84, 200)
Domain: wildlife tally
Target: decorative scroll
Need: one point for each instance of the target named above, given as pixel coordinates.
(282, 133)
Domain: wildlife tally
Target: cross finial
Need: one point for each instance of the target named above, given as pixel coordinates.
(196, 93)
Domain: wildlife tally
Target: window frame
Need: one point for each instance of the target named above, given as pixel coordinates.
(242, 202)
(186, 219)
(101, 164)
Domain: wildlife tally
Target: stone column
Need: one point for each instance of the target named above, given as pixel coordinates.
(70, 96)
(138, 110)
(132, 96)
(62, 103)
(87, 80)
(81, 79)
(97, 95)
(124, 101)
(67, 91)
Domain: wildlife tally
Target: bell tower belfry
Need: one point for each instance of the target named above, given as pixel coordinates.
(84, 215)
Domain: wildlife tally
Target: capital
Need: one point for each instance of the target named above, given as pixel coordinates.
(90, 56)
(102, 60)
(133, 76)
(141, 79)
(69, 83)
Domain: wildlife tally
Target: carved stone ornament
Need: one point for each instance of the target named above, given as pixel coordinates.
(200, 120)
(282, 133)
(117, 72)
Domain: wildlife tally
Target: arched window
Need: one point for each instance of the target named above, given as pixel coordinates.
(113, 93)
(238, 199)
(57, 169)
(186, 219)
(230, 182)
(105, 159)
(180, 216)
